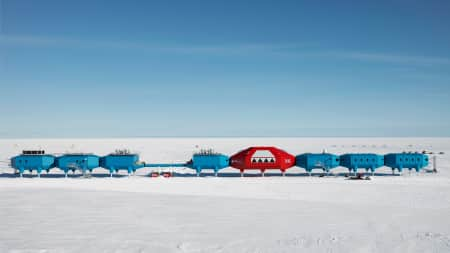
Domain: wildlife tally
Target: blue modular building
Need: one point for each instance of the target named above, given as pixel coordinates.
(33, 160)
(409, 161)
(324, 161)
(208, 160)
(121, 160)
(83, 162)
(362, 161)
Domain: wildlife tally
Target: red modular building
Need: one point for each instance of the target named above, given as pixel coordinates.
(262, 158)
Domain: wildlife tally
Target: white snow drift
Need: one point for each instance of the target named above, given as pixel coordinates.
(408, 213)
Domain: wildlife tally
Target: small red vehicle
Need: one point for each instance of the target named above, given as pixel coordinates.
(167, 174)
(164, 174)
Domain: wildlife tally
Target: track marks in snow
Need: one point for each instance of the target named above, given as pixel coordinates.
(326, 242)
(437, 239)
(188, 247)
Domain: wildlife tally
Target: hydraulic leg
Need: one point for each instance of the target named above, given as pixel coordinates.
(216, 171)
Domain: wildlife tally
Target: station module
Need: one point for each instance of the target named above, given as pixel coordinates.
(208, 159)
(323, 161)
(262, 158)
(362, 161)
(31, 160)
(121, 160)
(409, 161)
(77, 161)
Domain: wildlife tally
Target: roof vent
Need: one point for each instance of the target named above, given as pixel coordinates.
(33, 152)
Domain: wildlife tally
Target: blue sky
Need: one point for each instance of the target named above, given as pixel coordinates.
(224, 68)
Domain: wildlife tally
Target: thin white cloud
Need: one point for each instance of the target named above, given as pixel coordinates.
(389, 58)
(282, 50)
(19, 40)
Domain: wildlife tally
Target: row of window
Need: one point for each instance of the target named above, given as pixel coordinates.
(77, 161)
(373, 160)
(261, 160)
(412, 159)
(361, 160)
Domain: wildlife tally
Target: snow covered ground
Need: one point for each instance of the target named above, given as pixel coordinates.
(296, 213)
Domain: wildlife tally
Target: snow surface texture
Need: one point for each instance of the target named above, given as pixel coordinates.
(296, 213)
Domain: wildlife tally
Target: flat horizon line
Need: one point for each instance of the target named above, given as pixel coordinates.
(221, 137)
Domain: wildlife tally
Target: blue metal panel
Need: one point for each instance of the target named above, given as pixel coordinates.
(33, 162)
(214, 162)
(362, 161)
(116, 162)
(324, 161)
(402, 161)
(74, 162)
